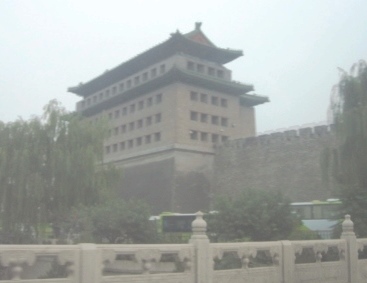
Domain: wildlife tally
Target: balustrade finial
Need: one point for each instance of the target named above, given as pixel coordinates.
(199, 225)
(348, 225)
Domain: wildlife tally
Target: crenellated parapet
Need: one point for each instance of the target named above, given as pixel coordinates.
(296, 135)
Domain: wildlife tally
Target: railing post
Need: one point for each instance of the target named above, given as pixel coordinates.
(90, 264)
(203, 254)
(288, 262)
(352, 250)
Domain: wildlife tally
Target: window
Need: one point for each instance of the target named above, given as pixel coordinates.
(124, 111)
(108, 149)
(114, 90)
(116, 131)
(224, 122)
(107, 93)
(200, 68)
(117, 114)
(139, 141)
(115, 147)
(123, 129)
(136, 80)
(122, 145)
(141, 105)
(204, 136)
(158, 98)
(140, 123)
(147, 139)
(149, 101)
(121, 87)
(211, 71)
(215, 120)
(145, 76)
(220, 74)
(193, 96)
(148, 121)
(214, 100)
(130, 143)
(153, 73)
(101, 96)
(131, 126)
(109, 133)
(204, 118)
(215, 138)
(158, 118)
(132, 108)
(204, 97)
(190, 65)
(128, 84)
(162, 68)
(110, 116)
(94, 99)
(224, 102)
(157, 137)
(224, 138)
(194, 115)
(193, 135)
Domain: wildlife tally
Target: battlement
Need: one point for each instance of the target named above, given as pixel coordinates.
(306, 133)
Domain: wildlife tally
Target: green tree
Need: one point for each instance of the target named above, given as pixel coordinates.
(114, 221)
(350, 157)
(48, 165)
(251, 215)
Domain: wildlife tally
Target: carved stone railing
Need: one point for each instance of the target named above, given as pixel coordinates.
(199, 261)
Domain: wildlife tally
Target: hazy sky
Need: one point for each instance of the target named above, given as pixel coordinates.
(292, 48)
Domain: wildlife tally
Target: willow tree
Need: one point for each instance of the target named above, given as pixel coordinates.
(350, 118)
(48, 165)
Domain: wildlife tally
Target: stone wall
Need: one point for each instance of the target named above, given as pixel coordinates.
(288, 161)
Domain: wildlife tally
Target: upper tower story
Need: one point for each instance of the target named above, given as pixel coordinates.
(178, 93)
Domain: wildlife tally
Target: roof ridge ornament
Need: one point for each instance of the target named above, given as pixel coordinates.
(198, 25)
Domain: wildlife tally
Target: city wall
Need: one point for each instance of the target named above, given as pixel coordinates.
(289, 161)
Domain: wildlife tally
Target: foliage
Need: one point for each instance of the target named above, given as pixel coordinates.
(350, 158)
(251, 215)
(115, 221)
(48, 165)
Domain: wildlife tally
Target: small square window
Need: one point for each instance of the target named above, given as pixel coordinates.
(224, 102)
(190, 65)
(153, 73)
(122, 145)
(204, 136)
(194, 115)
(137, 80)
(145, 76)
(101, 96)
(215, 138)
(131, 126)
(130, 143)
(193, 96)
(148, 121)
(121, 87)
(204, 97)
(204, 118)
(124, 111)
(139, 141)
(147, 139)
(158, 98)
(215, 120)
(132, 108)
(214, 100)
(128, 84)
(116, 131)
(110, 116)
(149, 101)
(162, 68)
(157, 137)
(141, 105)
(115, 147)
(158, 118)
(193, 135)
(224, 122)
(140, 123)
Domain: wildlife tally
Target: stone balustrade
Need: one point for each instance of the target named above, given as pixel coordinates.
(199, 261)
